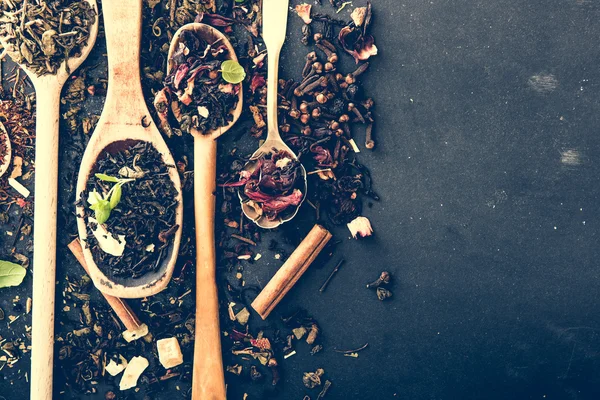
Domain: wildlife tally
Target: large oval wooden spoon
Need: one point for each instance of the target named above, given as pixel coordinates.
(275, 13)
(207, 379)
(125, 120)
(47, 91)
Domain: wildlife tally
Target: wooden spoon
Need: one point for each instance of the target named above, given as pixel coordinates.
(125, 120)
(47, 90)
(5, 162)
(275, 13)
(207, 379)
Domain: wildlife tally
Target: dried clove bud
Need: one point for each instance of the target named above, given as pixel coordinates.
(383, 279)
(369, 142)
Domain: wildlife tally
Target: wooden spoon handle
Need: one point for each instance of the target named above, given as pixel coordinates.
(44, 240)
(275, 13)
(207, 379)
(123, 29)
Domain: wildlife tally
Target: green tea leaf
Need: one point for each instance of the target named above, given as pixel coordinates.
(107, 178)
(93, 198)
(102, 212)
(232, 71)
(11, 274)
(115, 197)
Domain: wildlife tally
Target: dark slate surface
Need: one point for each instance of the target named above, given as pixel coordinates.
(486, 162)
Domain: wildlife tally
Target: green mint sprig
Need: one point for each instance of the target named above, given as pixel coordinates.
(103, 205)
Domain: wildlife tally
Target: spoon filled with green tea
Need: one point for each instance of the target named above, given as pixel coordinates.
(48, 40)
(129, 203)
(274, 181)
(203, 90)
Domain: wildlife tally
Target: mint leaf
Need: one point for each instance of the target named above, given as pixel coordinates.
(102, 212)
(11, 274)
(93, 197)
(232, 71)
(115, 197)
(107, 178)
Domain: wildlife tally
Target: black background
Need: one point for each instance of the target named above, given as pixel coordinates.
(486, 162)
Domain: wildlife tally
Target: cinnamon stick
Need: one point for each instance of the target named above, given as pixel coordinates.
(135, 328)
(289, 273)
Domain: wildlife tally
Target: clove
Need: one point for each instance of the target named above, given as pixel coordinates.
(369, 142)
(383, 279)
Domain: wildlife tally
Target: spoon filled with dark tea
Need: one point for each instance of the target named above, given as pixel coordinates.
(129, 203)
(273, 183)
(203, 96)
(49, 41)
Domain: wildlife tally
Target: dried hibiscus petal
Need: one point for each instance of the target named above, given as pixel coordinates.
(273, 186)
(303, 11)
(360, 226)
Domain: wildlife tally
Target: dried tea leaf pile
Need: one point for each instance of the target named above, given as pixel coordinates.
(203, 86)
(144, 215)
(42, 35)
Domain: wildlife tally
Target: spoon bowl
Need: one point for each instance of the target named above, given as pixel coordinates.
(210, 35)
(270, 146)
(125, 121)
(5, 162)
(275, 13)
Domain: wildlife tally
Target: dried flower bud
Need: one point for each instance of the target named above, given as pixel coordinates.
(306, 131)
(368, 103)
(304, 118)
(344, 118)
(285, 128)
(318, 37)
(318, 67)
(303, 107)
(321, 98)
(294, 113)
(383, 279)
(360, 226)
(329, 66)
(316, 113)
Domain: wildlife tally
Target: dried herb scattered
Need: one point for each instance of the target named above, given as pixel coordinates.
(42, 35)
(142, 211)
(203, 87)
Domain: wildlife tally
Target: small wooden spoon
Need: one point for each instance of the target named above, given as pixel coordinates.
(207, 379)
(47, 90)
(5, 162)
(125, 120)
(275, 13)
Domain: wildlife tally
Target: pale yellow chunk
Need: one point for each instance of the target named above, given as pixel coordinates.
(134, 370)
(169, 352)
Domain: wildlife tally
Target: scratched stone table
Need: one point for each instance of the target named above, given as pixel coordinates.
(487, 162)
